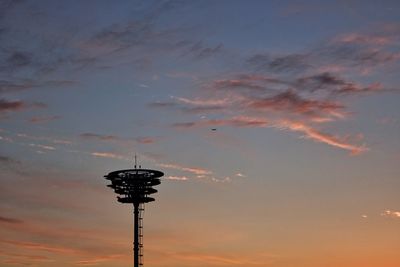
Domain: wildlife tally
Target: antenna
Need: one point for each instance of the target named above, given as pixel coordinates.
(135, 160)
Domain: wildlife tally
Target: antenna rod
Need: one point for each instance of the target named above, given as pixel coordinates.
(135, 160)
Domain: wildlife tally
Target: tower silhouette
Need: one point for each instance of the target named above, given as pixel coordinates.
(135, 186)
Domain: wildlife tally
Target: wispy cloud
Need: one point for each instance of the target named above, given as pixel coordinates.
(107, 155)
(365, 39)
(100, 137)
(115, 138)
(222, 259)
(39, 246)
(12, 86)
(44, 119)
(145, 140)
(284, 63)
(321, 137)
(8, 160)
(199, 50)
(193, 170)
(299, 92)
(10, 220)
(177, 178)
(98, 260)
(6, 105)
(17, 105)
(239, 121)
(294, 126)
(53, 140)
(23, 259)
(45, 147)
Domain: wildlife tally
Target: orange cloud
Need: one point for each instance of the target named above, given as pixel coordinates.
(97, 260)
(391, 214)
(318, 136)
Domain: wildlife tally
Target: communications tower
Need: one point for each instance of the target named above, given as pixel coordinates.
(134, 187)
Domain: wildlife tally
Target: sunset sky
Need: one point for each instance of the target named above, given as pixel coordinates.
(276, 123)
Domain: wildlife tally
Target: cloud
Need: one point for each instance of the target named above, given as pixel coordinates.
(9, 105)
(236, 83)
(295, 91)
(45, 147)
(18, 59)
(193, 170)
(107, 155)
(10, 220)
(391, 214)
(145, 140)
(98, 260)
(294, 126)
(100, 137)
(18, 105)
(290, 101)
(284, 63)
(334, 84)
(321, 137)
(162, 104)
(44, 138)
(7, 160)
(360, 50)
(364, 39)
(11, 86)
(23, 259)
(114, 138)
(201, 51)
(44, 119)
(177, 178)
(213, 259)
(39, 246)
(240, 121)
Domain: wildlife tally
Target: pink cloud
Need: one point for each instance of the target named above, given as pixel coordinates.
(194, 170)
(281, 124)
(318, 136)
(357, 38)
(107, 155)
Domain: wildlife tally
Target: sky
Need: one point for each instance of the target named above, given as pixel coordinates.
(276, 123)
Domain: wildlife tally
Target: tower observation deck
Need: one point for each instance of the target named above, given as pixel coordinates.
(134, 187)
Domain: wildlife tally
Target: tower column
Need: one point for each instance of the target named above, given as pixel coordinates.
(136, 234)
